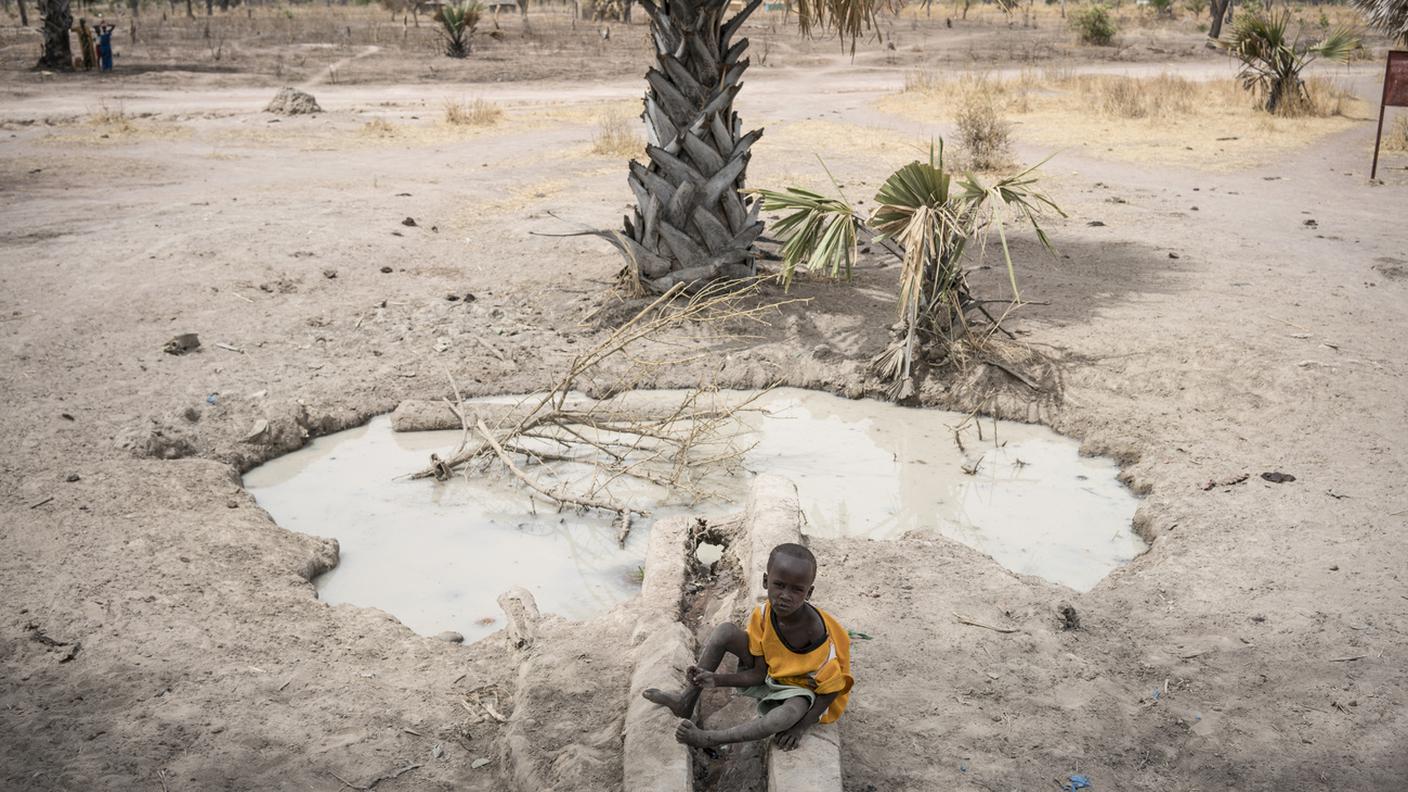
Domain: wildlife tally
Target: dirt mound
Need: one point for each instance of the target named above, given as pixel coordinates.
(291, 101)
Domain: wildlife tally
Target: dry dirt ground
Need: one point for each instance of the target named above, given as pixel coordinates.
(159, 631)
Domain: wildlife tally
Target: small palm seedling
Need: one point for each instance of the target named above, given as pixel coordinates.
(930, 220)
(457, 26)
(1272, 60)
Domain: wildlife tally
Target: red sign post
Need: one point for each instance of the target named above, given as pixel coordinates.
(1395, 95)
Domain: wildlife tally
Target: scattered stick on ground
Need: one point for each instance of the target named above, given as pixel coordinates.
(387, 776)
(965, 620)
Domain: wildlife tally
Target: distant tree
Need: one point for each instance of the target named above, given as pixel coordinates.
(57, 53)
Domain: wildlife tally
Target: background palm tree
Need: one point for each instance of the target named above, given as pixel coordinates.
(1389, 16)
(929, 218)
(691, 223)
(1272, 59)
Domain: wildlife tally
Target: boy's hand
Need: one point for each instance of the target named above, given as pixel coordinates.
(789, 739)
(698, 677)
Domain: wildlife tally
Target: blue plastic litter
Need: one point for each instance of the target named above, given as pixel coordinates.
(1077, 782)
(212, 398)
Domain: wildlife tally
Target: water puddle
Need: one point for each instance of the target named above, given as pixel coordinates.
(436, 555)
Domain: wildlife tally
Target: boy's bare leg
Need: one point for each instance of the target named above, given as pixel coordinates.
(725, 638)
(781, 718)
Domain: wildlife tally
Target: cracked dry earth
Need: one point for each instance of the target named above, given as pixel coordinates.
(158, 630)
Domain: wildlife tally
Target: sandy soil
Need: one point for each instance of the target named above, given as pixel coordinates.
(159, 631)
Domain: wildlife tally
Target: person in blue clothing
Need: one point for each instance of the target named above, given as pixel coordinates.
(104, 31)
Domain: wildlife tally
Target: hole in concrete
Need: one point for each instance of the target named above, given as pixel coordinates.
(708, 553)
(436, 555)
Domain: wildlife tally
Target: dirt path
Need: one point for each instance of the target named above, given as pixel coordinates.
(1196, 344)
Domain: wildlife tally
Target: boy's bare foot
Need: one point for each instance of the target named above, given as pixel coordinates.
(674, 702)
(689, 734)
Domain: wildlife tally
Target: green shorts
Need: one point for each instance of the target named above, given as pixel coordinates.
(770, 695)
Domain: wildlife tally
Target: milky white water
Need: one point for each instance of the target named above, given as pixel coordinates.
(436, 555)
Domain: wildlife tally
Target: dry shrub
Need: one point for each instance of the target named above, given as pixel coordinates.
(984, 135)
(1324, 98)
(616, 136)
(1094, 25)
(1396, 136)
(479, 112)
(379, 127)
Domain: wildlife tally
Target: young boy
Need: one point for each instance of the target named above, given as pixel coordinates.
(795, 659)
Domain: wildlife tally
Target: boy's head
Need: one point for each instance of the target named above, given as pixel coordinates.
(789, 577)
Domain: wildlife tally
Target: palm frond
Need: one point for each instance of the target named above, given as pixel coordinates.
(819, 233)
(1388, 16)
(1338, 45)
(848, 19)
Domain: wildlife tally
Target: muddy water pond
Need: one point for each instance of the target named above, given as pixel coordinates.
(436, 555)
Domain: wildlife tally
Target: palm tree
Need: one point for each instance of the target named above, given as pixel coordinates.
(457, 26)
(929, 218)
(691, 223)
(57, 54)
(1272, 60)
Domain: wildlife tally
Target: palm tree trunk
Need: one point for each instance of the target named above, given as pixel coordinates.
(58, 21)
(691, 224)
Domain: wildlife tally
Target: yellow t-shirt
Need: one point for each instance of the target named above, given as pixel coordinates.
(825, 669)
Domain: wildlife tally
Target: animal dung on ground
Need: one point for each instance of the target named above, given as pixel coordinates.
(409, 222)
(291, 101)
(1277, 477)
(182, 344)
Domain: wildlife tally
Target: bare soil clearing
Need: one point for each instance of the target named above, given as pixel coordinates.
(1205, 323)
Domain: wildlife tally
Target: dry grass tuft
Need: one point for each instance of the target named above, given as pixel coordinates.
(1165, 118)
(479, 112)
(115, 118)
(1158, 97)
(1396, 136)
(379, 127)
(926, 81)
(1327, 97)
(616, 136)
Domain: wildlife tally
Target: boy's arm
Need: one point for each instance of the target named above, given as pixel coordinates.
(698, 677)
(788, 739)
